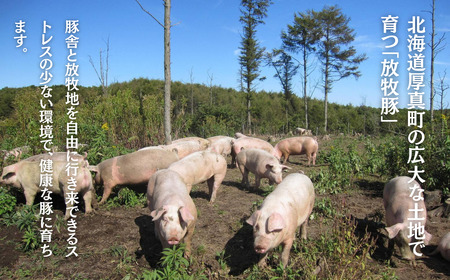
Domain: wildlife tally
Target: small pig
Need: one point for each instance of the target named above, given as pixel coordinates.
(397, 203)
(26, 176)
(185, 148)
(444, 247)
(133, 169)
(199, 167)
(281, 213)
(221, 145)
(300, 131)
(171, 208)
(248, 143)
(260, 163)
(297, 146)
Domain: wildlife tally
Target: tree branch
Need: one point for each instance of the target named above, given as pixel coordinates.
(149, 14)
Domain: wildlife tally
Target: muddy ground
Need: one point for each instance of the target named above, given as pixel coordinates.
(220, 228)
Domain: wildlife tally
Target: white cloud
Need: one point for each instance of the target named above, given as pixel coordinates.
(364, 42)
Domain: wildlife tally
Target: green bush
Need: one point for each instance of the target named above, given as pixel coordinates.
(7, 202)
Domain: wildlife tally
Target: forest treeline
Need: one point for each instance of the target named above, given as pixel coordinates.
(131, 114)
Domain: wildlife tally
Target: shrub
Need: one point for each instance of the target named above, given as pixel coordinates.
(7, 202)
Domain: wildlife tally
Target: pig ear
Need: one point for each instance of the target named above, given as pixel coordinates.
(393, 230)
(156, 214)
(8, 175)
(93, 168)
(275, 222)
(185, 214)
(428, 237)
(269, 166)
(284, 167)
(9, 171)
(253, 218)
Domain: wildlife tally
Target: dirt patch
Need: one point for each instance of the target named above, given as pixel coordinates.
(114, 243)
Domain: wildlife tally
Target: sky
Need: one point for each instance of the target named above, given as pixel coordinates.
(205, 40)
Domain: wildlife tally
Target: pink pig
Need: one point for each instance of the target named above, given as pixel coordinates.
(202, 166)
(172, 209)
(297, 146)
(221, 145)
(397, 203)
(133, 169)
(260, 163)
(444, 247)
(186, 147)
(26, 175)
(281, 213)
(248, 143)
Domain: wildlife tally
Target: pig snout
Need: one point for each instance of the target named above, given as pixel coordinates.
(173, 241)
(262, 244)
(275, 178)
(260, 249)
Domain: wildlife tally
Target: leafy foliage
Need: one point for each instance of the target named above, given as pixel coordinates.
(7, 202)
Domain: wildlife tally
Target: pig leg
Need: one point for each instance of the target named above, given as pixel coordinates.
(403, 244)
(189, 187)
(286, 157)
(244, 172)
(188, 239)
(107, 188)
(87, 197)
(309, 158)
(214, 184)
(314, 158)
(287, 245)
(29, 196)
(303, 229)
(257, 181)
(94, 201)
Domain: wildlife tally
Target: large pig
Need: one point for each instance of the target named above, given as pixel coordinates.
(61, 156)
(131, 169)
(187, 147)
(199, 167)
(26, 176)
(282, 211)
(248, 143)
(221, 145)
(260, 163)
(397, 203)
(444, 247)
(204, 143)
(297, 146)
(171, 208)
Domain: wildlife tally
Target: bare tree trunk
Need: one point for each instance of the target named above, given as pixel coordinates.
(432, 70)
(305, 97)
(167, 78)
(326, 95)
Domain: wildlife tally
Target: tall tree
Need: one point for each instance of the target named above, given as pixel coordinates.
(167, 76)
(285, 70)
(301, 37)
(338, 59)
(436, 47)
(253, 12)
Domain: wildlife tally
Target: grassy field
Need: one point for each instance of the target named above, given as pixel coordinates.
(346, 239)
